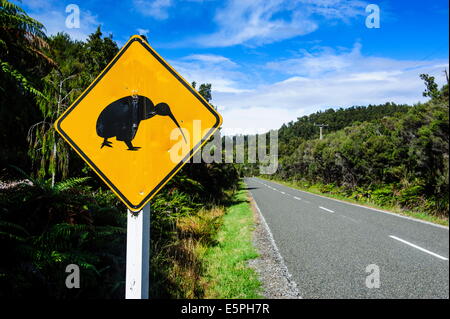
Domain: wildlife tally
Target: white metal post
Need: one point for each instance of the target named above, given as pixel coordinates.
(138, 254)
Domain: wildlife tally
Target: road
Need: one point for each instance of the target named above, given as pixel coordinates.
(327, 246)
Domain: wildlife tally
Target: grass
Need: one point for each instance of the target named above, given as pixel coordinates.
(206, 254)
(227, 272)
(177, 261)
(394, 209)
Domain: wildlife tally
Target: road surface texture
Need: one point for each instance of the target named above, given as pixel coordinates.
(327, 246)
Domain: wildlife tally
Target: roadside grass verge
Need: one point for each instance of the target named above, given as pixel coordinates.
(177, 258)
(227, 272)
(314, 189)
(206, 254)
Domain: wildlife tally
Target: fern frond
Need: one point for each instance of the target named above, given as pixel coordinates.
(9, 236)
(19, 79)
(103, 231)
(12, 226)
(14, 17)
(70, 183)
(10, 7)
(61, 236)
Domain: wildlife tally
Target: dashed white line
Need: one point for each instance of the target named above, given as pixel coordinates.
(419, 248)
(373, 209)
(328, 210)
(346, 217)
(297, 198)
(282, 192)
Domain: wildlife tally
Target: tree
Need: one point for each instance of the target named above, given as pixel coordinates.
(22, 63)
(21, 37)
(77, 65)
(205, 91)
(432, 89)
(99, 51)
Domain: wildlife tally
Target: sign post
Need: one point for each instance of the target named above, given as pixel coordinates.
(138, 254)
(135, 127)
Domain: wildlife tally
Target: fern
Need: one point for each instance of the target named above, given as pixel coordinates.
(13, 227)
(14, 17)
(10, 7)
(70, 183)
(19, 79)
(11, 237)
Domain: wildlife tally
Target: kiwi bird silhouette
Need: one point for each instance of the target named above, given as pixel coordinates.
(121, 119)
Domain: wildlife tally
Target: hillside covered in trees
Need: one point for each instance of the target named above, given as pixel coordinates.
(391, 155)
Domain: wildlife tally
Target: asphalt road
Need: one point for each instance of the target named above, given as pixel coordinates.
(327, 246)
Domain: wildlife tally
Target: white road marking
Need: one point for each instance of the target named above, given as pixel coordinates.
(328, 210)
(374, 209)
(419, 248)
(282, 192)
(346, 217)
(297, 198)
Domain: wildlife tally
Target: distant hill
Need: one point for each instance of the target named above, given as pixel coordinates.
(290, 135)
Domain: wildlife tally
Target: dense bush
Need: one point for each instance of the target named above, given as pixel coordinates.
(43, 229)
(46, 225)
(400, 159)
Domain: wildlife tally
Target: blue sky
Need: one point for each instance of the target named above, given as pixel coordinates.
(272, 61)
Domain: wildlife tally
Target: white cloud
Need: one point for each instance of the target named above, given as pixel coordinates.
(212, 58)
(313, 64)
(313, 81)
(258, 22)
(321, 80)
(142, 31)
(207, 68)
(157, 9)
(55, 21)
(254, 120)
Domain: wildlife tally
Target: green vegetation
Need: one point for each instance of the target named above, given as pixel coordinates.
(206, 254)
(44, 228)
(294, 133)
(227, 271)
(391, 156)
(183, 226)
(54, 210)
(177, 262)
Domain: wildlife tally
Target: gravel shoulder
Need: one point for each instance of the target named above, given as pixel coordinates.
(277, 283)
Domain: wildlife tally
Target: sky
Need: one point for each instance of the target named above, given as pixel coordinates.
(272, 61)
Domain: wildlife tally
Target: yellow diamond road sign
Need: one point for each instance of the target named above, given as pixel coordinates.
(135, 124)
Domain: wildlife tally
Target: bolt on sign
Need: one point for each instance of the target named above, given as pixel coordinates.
(127, 123)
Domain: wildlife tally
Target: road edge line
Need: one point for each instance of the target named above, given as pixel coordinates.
(283, 266)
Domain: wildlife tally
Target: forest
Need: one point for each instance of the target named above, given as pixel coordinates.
(54, 210)
(391, 155)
